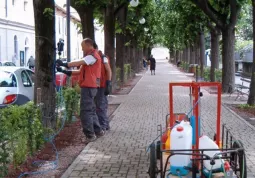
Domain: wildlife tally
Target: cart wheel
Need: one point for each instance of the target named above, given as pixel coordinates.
(153, 162)
(238, 160)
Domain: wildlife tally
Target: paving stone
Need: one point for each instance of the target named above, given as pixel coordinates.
(121, 152)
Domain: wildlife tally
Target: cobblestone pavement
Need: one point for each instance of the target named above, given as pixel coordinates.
(121, 152)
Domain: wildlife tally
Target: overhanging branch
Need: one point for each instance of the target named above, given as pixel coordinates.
(234, 12)
(116, 11)
(209, 11)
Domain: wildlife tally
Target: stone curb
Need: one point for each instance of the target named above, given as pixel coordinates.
(239, 117)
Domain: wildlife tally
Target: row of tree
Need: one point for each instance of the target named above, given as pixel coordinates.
(120, 21)
(184, 23)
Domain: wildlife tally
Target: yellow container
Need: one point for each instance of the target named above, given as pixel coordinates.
(167, 144)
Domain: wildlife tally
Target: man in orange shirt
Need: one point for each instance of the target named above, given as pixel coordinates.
(89, 80)
(103, 91)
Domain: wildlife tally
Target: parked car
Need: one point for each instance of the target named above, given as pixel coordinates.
(6, 63)
(16, 85)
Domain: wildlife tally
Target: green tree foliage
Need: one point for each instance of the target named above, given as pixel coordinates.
(181, 21)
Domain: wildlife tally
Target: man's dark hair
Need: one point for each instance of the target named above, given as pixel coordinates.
(88, 41)
(95, 45)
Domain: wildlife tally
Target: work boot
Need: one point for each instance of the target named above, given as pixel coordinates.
(90, 139)
(100, 134)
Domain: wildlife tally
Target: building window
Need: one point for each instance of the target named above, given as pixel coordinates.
(25, 5)
(15, 45)
(25, 79)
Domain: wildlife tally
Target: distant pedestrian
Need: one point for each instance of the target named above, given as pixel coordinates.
(152, 64)
(31, 62)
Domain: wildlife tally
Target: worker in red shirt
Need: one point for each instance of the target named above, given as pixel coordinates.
(89, 80)
(103, 91)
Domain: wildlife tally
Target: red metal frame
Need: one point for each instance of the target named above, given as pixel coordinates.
(195, 86)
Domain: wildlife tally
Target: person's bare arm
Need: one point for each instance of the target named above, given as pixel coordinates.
(77, 63)
(77, 72)
(108, 71)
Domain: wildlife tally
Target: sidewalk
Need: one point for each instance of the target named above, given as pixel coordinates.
(121, 152)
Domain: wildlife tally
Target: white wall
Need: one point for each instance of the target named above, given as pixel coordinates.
(7, 33)
(20, 22)
(16, 11)
(99, 36)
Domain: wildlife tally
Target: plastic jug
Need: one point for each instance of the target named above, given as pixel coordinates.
(167, 144)
(206, 143)
(181, 139)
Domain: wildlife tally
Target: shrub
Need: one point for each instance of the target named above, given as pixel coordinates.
(218, 74)
(21, 133)
(71, 99)
(127, 71)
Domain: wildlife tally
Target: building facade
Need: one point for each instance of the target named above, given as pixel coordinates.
(17, 35)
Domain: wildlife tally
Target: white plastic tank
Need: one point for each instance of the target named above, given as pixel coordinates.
(206, 143)
(181, 139)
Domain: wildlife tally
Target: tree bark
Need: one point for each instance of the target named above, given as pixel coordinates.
(251, 98)
(192, 54)
(177, 56)
(228, 71)
(202, 53)
(197, 52)
(120, 42)
(188, 54)
(109, 35)
(86, 14)
(214, 54)
(45, 45)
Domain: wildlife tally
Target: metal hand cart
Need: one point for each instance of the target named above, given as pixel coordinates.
(230, 150)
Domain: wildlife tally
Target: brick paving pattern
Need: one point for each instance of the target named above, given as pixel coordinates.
(121, 152)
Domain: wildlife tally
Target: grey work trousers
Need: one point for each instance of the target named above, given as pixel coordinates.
(88, 114)
(102, 106)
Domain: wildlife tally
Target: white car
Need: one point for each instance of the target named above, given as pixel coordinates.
(16, 85)
(6, 63)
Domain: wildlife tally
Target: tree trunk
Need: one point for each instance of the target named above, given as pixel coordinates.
(120, 42)
(109, 35)
(214, 54)
(133, 53)
(132, 57)
(87, 21)
(177, 56)
(197, 53)
(45, 55)
(188, 54)
(149, 51)
(251, 98)
(202, 53)
(192, 54)
(228, 71)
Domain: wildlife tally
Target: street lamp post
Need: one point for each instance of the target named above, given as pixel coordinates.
(68, 30)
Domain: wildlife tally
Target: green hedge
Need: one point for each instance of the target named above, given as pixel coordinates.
(21, 130)
(21, 134)
(72, 100)
(127, 72)
(184, 66)
(218, 74)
